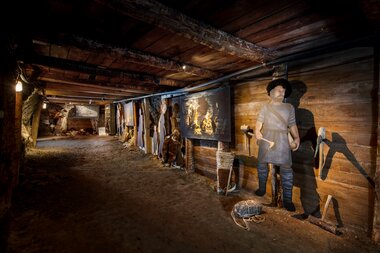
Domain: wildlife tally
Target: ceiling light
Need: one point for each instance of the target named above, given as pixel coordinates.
(18, 86)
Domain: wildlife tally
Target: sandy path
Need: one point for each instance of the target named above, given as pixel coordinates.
(89, 194)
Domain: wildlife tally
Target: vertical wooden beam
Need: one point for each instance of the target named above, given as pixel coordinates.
(112, 125)
(36, 122)
(222, 174)
(7, 136)
(7, 147)
(8, 68)
(189, 150)
(135, 113)
(376, 98)
(17, 135)
(147, 138)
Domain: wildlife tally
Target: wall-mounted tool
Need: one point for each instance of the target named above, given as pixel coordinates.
(320, 148)
(245, 129)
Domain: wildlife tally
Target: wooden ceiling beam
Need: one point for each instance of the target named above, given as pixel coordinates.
(95, 70)
(127, 55)
(166, 18)
(66, 100)
(82, 97)
(51, 91)
(61, 77)
(58, 86)
(71, 84)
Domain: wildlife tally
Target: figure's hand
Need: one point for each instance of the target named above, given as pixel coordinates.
(296, 137)
(258, 135)
(295, 144)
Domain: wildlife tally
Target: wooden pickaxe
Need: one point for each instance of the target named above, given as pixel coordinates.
(320, 148)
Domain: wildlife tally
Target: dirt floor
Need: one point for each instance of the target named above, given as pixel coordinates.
(90, 194)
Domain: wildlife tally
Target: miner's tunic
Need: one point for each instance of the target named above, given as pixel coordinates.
(276, 130)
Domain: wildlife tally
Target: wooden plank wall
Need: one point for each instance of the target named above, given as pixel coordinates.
(334, 91)
(376, 220)
(204, 152)
(339, 97)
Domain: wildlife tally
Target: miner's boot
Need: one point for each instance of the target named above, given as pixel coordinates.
(262, 172)
(287, 188)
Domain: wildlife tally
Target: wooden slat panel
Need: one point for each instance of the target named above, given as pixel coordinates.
(339, 97)
(205, 159)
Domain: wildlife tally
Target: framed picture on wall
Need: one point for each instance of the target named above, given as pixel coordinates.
(207, 115)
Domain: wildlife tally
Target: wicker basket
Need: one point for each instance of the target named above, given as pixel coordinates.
(224, 160)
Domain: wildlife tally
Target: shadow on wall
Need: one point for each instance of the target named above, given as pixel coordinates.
(303, 159)
(338, 144)
(304, 162)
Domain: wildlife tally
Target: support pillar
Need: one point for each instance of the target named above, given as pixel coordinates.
(189, 160)
(222, 174)
(135, 123)
(376, 201)
(17, 152)
(36, 123)
(147, 137)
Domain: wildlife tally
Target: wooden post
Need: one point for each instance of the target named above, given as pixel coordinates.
(8, 66)
(135, 113)
(189, 160)
(8, 131)
(18, 146)
(222, 174)
(147, 137)
(276, 189)
(112, 126)
(376, 213)
(36, 123)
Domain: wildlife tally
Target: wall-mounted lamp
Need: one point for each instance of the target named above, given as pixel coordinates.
(19, 86)
(44, 105)
(183, 67)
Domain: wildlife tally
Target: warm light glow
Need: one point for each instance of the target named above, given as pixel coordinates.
(183, 67)
(18, 86)
(44, 106)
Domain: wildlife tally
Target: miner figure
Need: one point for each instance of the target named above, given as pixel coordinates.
(275, 119)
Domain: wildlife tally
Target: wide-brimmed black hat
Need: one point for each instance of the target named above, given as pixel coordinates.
(283, 82)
